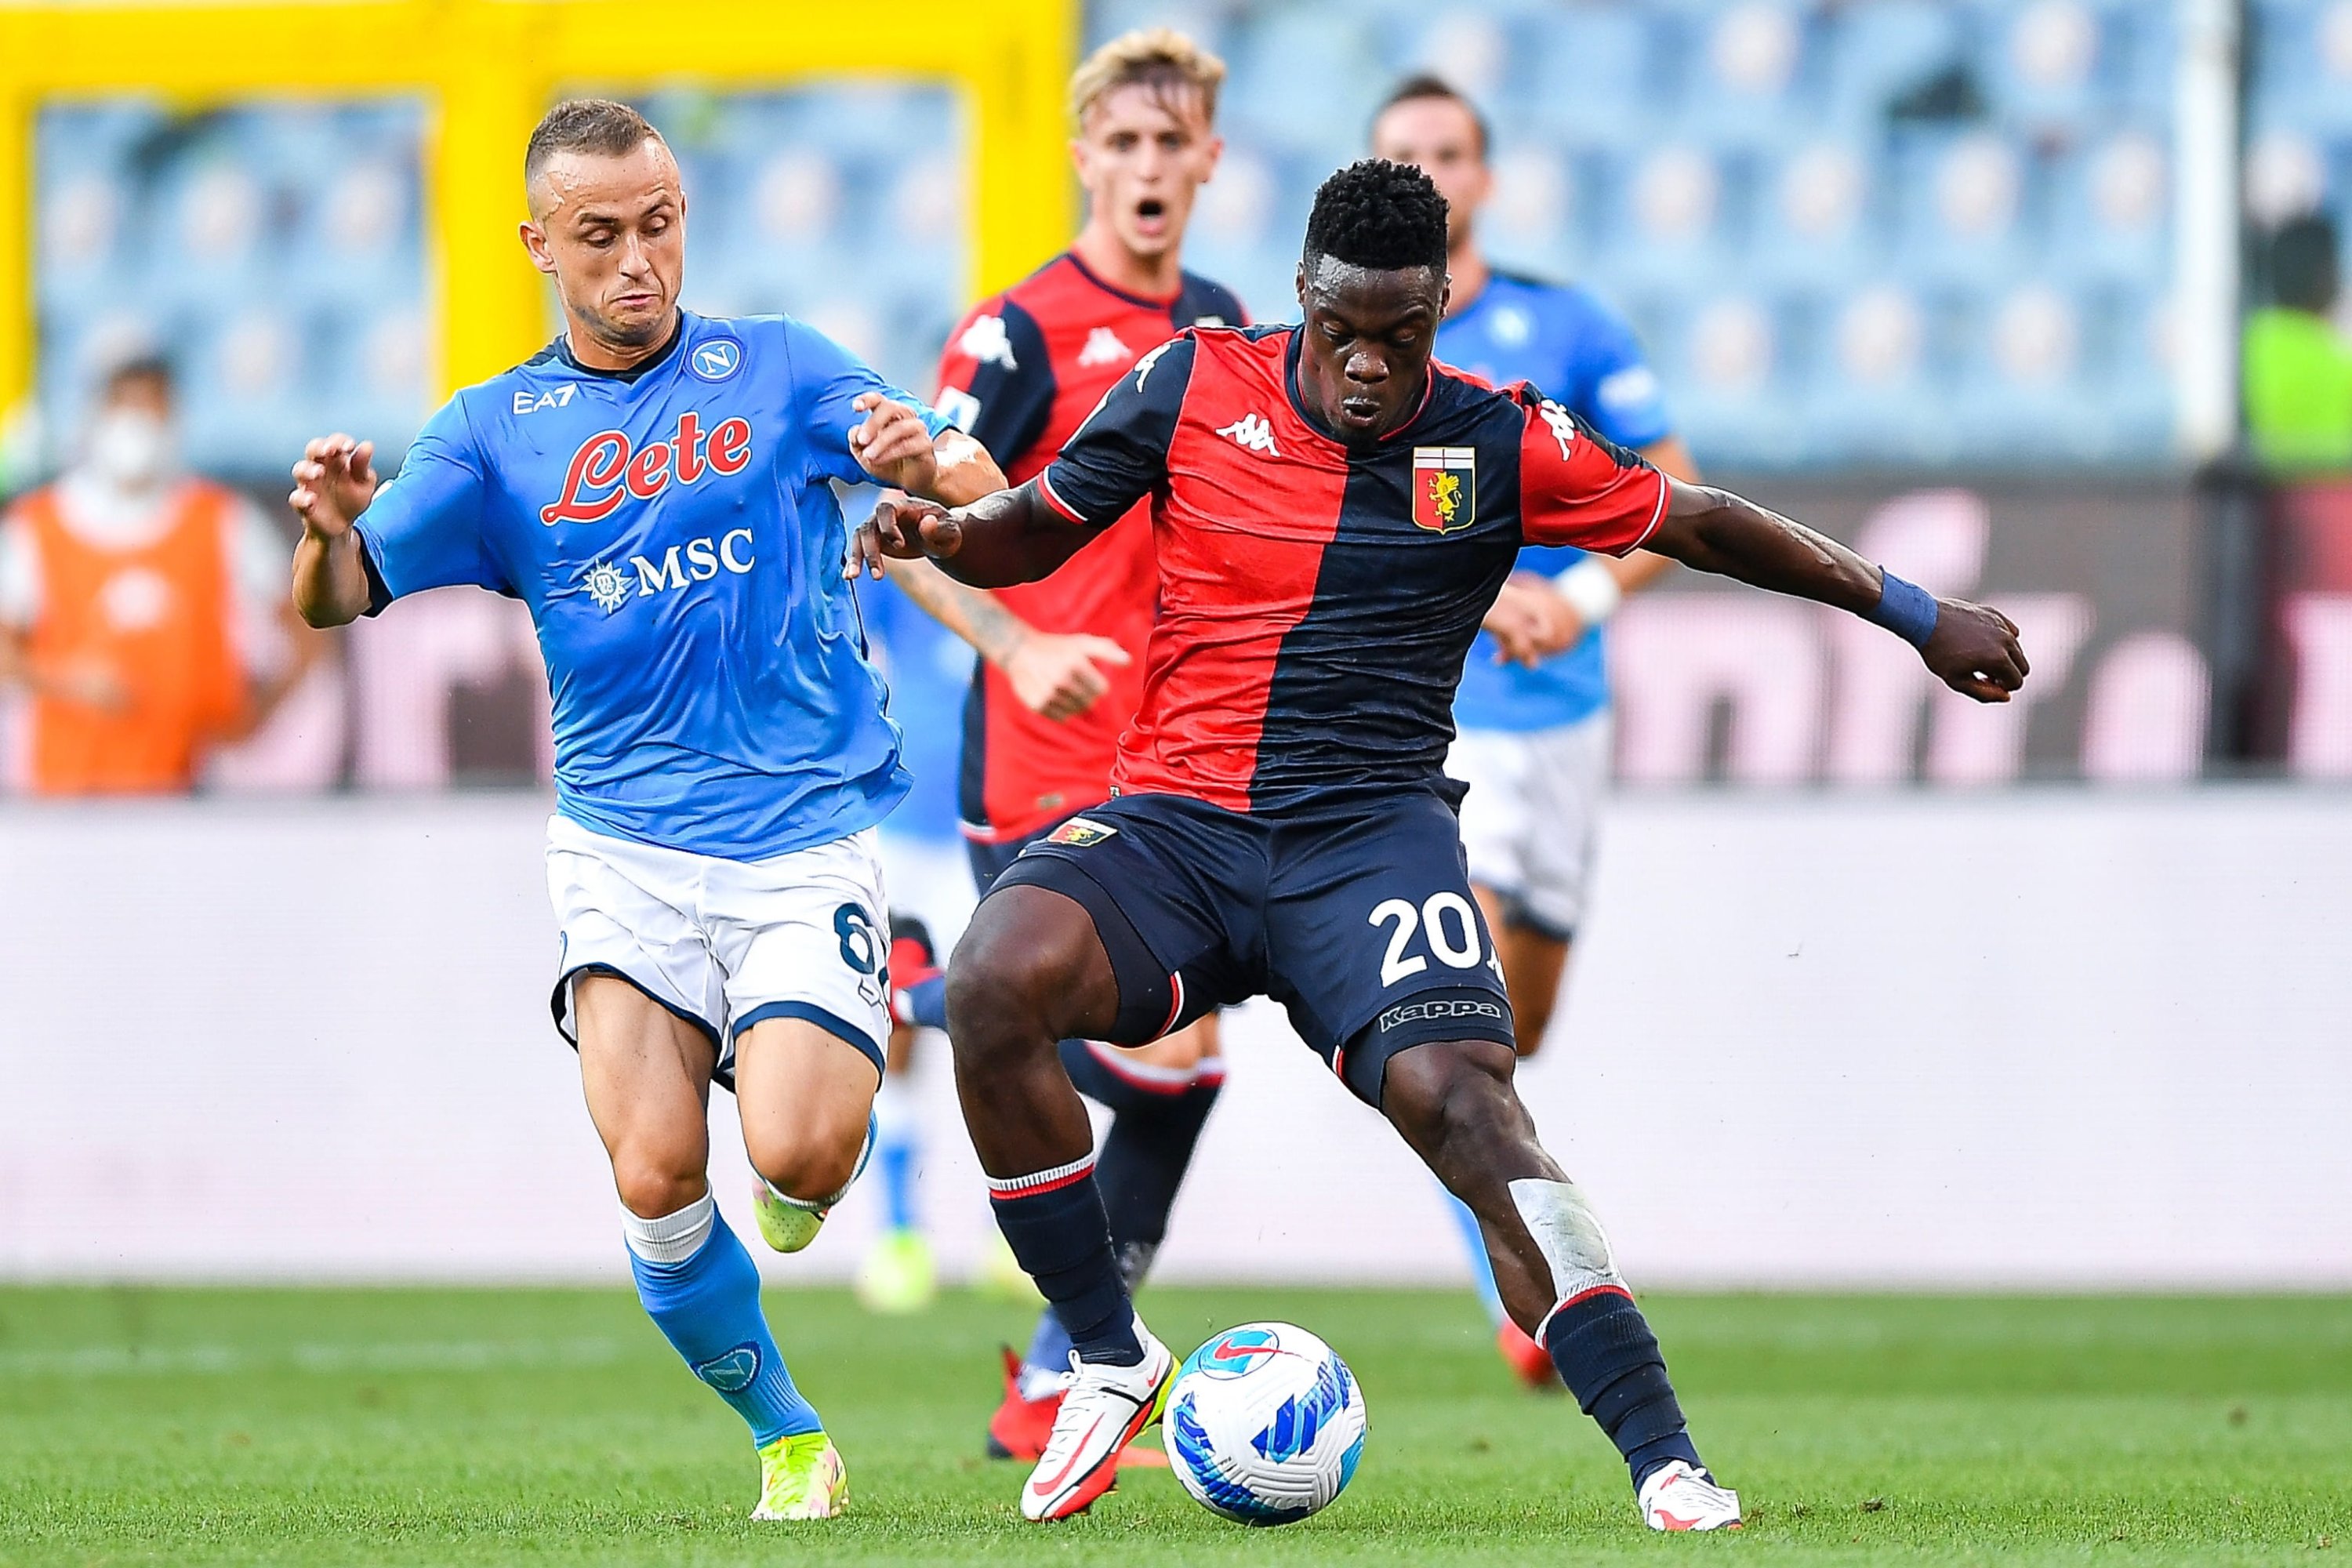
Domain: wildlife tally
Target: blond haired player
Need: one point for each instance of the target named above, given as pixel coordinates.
(1061, 670)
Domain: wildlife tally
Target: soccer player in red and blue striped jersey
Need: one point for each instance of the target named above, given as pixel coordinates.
(1334, 513)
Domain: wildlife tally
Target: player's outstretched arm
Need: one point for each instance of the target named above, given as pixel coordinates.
(332, 485)
(895, 447)
(1012, 536)
(1972, 649)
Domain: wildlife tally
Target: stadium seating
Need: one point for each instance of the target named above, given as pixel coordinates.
(1777, 191)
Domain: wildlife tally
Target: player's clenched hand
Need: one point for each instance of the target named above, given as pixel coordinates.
(1054, 675)
(902, 528)
(893, 444)
(1530, 622)
(1974, 651)
(333, 483)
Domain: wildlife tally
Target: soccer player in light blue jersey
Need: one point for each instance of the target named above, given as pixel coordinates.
(655, 487)
(1532, 714)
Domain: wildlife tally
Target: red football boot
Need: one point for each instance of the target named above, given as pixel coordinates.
(1525, 1357)
(1019, 1429)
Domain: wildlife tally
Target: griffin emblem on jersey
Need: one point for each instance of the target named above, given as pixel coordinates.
(1080, 834)
(1444, 488)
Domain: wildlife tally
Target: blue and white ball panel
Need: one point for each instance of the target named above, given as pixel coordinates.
(726, 944)
(1265, 1424)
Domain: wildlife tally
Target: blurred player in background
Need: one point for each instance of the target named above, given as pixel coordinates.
(143, 609)
(1334, 515)
(1061, 668)
(1532, 715)
(656, 488)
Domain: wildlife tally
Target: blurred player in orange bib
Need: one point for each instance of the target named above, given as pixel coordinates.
(1061, 672)
(143, 609)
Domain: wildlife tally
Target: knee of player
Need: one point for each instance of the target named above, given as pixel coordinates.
(1455, 1093)
(654, 1181)
(996, 986)
(811, 1158)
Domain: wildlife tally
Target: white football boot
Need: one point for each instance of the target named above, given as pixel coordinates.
(1103, 1410)
(1676, 1496)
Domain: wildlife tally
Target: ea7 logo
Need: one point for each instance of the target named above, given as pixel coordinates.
(1252, 431)
(529, 402)
(607, 469)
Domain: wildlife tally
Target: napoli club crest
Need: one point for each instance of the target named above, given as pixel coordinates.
(715, 359)
(1444, 488)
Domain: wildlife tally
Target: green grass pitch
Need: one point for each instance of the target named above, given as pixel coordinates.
(432, 1426)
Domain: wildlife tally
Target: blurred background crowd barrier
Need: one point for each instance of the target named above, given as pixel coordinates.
(2035, 300)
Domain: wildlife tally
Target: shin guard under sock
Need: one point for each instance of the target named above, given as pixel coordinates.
(1610, 1361)
(702, 1291)
(1053, 1222)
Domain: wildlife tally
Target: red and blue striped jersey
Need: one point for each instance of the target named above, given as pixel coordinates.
(1020, 371)
(1316, 601)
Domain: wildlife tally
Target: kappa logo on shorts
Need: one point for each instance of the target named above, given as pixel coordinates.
(1448, 1007)
(1081, 833)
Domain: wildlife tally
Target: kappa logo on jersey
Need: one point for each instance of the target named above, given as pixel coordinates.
(528, 402)
(608, 463)
(1143, 366)
(715, 359)
(1252, 432)
(1444, 488)
(986, 341)
(1562, 424)
(1079, 833)
(1103, 347)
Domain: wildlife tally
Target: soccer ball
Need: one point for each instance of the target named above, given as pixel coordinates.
(1265, 1424)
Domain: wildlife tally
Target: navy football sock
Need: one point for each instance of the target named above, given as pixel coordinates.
(1610, 1361)
(1053, 1222)
(1157, 1116)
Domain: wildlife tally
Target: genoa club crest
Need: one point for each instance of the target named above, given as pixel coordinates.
(1444, 488)
(1081, 833)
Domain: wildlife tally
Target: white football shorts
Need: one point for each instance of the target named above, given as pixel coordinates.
(726, 944)
(1529, 821)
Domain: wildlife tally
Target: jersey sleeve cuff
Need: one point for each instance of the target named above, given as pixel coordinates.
(1657, 513)
(380, 594)
(1046, 489)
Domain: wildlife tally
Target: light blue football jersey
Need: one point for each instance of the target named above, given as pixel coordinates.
(1569, 344)
(675, 532)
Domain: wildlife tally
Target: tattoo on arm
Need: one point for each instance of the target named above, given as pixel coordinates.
(975, 614)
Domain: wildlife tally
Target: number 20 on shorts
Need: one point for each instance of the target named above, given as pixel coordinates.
(1451, 928)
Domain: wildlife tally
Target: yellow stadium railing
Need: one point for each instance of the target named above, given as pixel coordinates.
(488, 68)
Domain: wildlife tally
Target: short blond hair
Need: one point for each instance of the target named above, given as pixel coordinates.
(1156, 56)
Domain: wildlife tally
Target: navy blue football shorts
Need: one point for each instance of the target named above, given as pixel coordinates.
(1359, 919)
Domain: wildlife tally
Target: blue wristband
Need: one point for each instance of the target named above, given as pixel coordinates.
(1905, 609)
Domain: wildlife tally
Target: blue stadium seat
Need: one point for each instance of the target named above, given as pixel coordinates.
(1599, 66)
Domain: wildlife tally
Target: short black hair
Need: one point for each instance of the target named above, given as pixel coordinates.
(2302, 264)
(595, 125)
(1379, 215)
(1428, 84)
